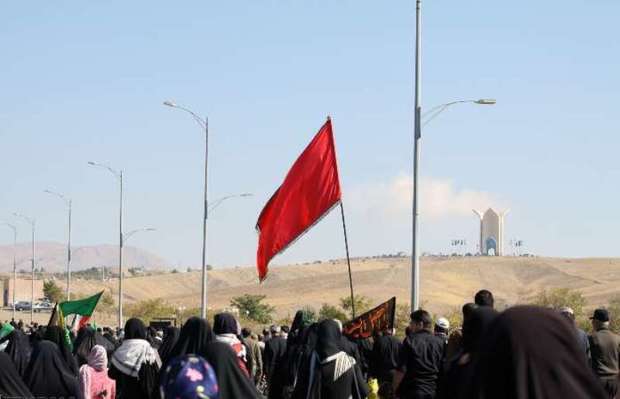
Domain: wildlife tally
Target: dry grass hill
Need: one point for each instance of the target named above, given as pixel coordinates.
(446, 282)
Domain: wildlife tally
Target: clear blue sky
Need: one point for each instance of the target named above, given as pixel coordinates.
(84, 81)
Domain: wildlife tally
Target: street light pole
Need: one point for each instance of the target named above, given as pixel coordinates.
(32, 225)
(204, 123)
(12, 227)
(67, 202)
(415, 256)
(119, 176)
(415, 261)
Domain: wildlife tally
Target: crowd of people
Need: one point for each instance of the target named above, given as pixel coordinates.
(523, 352)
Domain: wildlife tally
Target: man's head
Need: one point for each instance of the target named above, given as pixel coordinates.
(420, 320)
(484, 298)
(285, 329)
(568, 313)
(275, 331)
(600, 319)
(246, 332)
(442, 326)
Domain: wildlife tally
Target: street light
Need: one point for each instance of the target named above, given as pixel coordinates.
(67, 202)
(132, 232)
(119, 176)
(12, 227)
(32, 225)
(219, 201)
(428, 116)
(435, 111)
(204, 124)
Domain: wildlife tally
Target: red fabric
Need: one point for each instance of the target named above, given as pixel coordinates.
(310, 189)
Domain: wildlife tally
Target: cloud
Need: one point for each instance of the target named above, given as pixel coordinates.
(439, 198)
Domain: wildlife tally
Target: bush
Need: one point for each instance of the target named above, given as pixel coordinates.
(150, 309)
(328, 311)
(402, 316)
(52, 291)
(250, 307)
(559, 297)
(362, 304)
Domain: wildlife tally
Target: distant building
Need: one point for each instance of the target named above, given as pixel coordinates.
(491, 232)
(23, 292)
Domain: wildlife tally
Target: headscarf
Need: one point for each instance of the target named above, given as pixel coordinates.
(532, 353)
(83, 344)
(475, 325)
(225, 323)
(98, 361)
(329, 339)
(233, 383)
(11, 384)
(57, 335)
(171, 336)
(135, 350)
(189, 377)
(227, 330)
(302, 320)
(19, 350)
(135, 329)
(193, 338)
(98, 358)
(47, 374)
(103, 341)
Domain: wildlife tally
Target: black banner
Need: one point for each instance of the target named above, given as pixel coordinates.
(378, 319)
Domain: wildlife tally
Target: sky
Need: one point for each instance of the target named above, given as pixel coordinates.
(85, 81)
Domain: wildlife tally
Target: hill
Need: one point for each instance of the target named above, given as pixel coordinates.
(52, 256)
(446, 282)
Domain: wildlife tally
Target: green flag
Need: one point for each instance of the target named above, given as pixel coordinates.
(82, 307)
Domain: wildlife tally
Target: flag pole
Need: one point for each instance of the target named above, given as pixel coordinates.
(346, 246)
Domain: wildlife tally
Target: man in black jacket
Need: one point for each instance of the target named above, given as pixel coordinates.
(275, 362)
(420, 360)
(605, 351)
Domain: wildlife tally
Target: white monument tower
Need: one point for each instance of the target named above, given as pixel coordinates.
(491, 232)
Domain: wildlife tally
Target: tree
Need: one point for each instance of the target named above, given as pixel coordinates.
(52, 291)
(150, 309)
(559, 297)
(250, 307)
(362, 304)
(328, 311)
(614, 315)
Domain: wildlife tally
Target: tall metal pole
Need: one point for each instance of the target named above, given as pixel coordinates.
(415, 261)
(204, 123)
(120, 255)
(203, 307)
(14, 268)
(69, 256)
(32, 285)
(12, 227)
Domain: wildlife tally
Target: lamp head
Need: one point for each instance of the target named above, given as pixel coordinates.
(486, 101)
(91, 163)
(246, 195)
(169, 103)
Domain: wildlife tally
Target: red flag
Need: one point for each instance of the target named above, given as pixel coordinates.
(311, 188)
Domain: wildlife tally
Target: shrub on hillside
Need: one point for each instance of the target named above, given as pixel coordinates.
(251, 308)
(149, 309)
(362, 304)
(328, 311)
